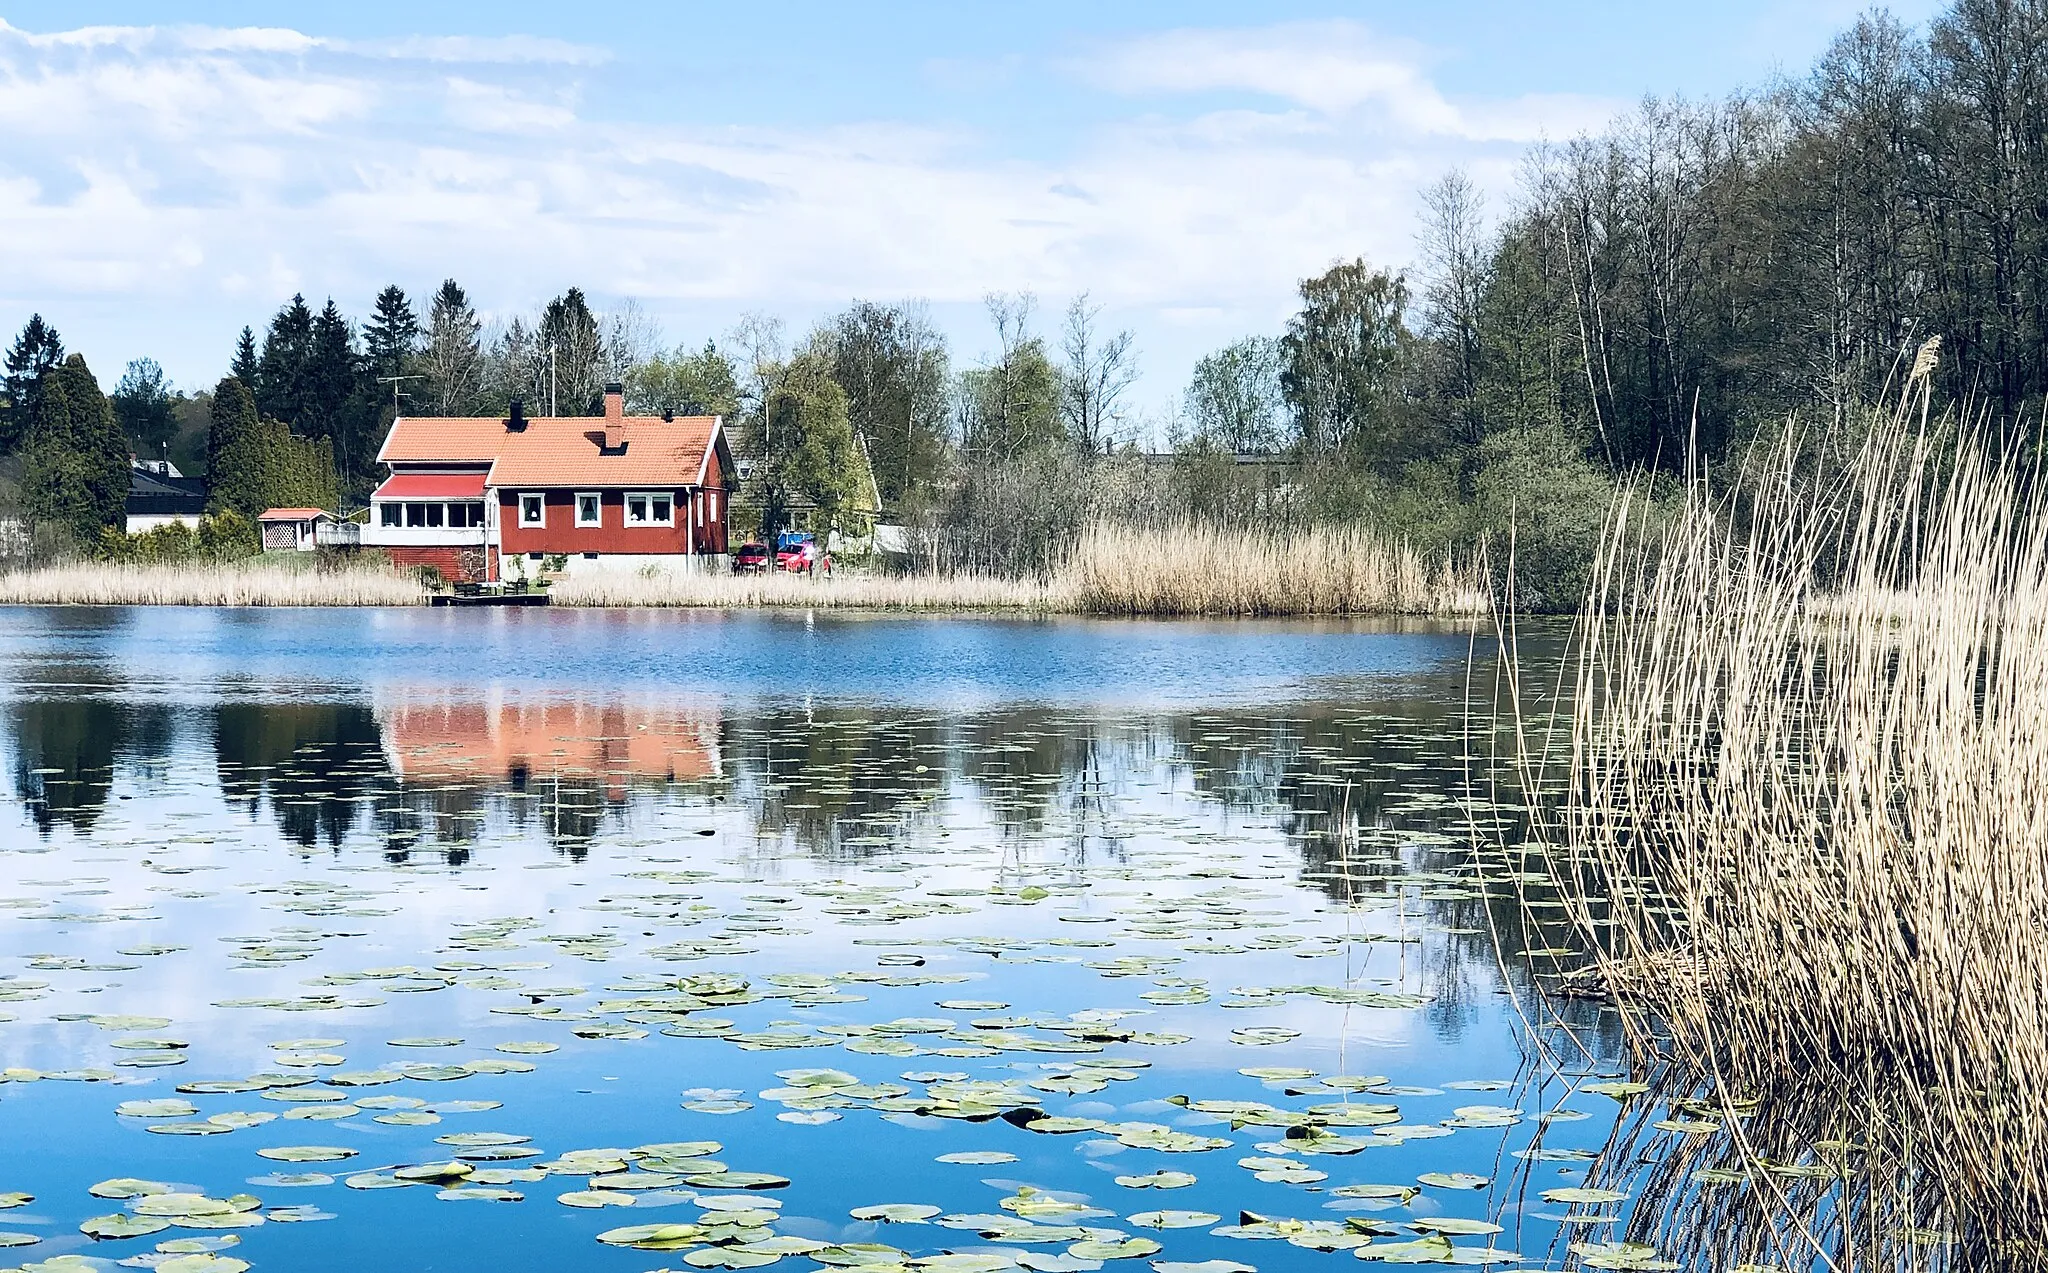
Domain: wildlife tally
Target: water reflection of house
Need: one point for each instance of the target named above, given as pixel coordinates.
(430, 736)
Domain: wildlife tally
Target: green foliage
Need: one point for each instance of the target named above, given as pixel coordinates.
(1233, 399)
(452, 361)
(817, 459)
(145, 409)
(700, 383)
(1536, 490)
(35, 353)
(169, 544)
(892, 364)
(1341, 359)
(228, 536)
(75, 461)
(1011, 406)
(255, 464)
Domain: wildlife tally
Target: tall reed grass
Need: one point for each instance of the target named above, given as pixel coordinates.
(843, 591)
(255, 583)
(1193, 569)
(1802, 818)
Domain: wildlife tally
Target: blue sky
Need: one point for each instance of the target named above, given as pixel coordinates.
(173, 170)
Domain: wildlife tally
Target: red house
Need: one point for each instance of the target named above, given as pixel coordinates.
(480, 498)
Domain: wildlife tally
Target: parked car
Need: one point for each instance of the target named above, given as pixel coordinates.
(751, 559)
(804, 557)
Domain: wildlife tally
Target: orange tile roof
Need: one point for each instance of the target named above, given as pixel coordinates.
(568, 451)
(557, 450)
(290, 514)
(446, 439)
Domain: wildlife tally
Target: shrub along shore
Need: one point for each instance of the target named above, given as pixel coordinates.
(1111, 571)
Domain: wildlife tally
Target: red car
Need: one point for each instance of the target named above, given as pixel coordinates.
(751, 559)
(804, 558)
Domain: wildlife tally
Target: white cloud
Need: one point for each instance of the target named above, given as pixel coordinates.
(165, 186)
(1334, 68)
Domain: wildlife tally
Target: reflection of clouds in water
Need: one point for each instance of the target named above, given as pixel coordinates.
(382, 835)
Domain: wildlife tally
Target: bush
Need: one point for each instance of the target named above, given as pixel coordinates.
(228, 536)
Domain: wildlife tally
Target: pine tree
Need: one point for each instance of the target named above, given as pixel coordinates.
(75, 464)
(37, 351)
(243, 368)
(569, 334)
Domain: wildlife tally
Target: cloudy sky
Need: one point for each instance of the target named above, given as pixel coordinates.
(173, 169)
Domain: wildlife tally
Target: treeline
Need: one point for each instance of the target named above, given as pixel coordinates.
(1685, 282)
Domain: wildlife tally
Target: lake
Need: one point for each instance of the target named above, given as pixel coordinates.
(450, 940)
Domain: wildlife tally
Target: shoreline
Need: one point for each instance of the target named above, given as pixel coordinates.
(270, 586)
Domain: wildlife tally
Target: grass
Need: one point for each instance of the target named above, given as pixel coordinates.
(1805, 779)
(1205, 570)
(844, 591)
(260, 582)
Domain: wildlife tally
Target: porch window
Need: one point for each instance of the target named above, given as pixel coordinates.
(416, 515)
(465, 514)
(589, 509)
(434, 514)
(389, 514)
(532, 510)
(650, 509)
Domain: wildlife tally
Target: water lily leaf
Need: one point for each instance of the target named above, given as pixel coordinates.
(9, 1201)
(1174, 1219)
(896, 1212)
(306, 1153)
(108, 1228)
(1453, 1180)
(1430, 1250)
(1575, 1195)
(977, 1157)
(1157, 1180)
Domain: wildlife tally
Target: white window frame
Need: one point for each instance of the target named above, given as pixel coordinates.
(539, 522)
(390, 513)
(590, 495)
(647, 499)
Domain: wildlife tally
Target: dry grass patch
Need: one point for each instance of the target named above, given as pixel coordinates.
(843, 591)
(1202, 570)
(254, 583)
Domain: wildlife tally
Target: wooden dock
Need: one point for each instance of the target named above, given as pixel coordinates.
(489, 599)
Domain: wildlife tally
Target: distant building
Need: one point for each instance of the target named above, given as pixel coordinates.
(289, 529)
(158, 495)
(482, 498)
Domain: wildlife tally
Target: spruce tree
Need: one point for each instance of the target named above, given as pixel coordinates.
(243, 368)
(391, 338)
(143, 406)
(280, 384)
(36, 352)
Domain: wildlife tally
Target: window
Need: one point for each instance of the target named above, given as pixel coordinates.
(434, 514)
(416, 514)
(389, 514)
(532, 511)
(650, 510)
(589, 509)
(465, 514)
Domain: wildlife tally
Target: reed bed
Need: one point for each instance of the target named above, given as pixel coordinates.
(1206, 570)
(255, 583)
(1807, 781)
(843, 591)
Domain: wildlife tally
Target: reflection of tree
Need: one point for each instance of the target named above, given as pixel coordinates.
(313, 761)
(64, 759)
(835, 782)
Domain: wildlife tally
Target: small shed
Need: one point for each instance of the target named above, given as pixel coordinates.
(286, 529)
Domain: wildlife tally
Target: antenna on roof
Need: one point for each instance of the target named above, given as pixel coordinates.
(393, 381)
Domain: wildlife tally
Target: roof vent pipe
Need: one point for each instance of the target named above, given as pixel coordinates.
(614, 416)
(517, 422)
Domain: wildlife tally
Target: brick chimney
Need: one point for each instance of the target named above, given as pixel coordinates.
(614, 416)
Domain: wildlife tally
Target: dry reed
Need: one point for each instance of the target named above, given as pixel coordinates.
(1206, 570)
(1808, 777)
(256, 583)
(843, 591)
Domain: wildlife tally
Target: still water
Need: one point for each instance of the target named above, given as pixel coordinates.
(445, 940)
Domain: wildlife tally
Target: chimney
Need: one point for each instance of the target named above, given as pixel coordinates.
(517, 422)
(614, 416)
